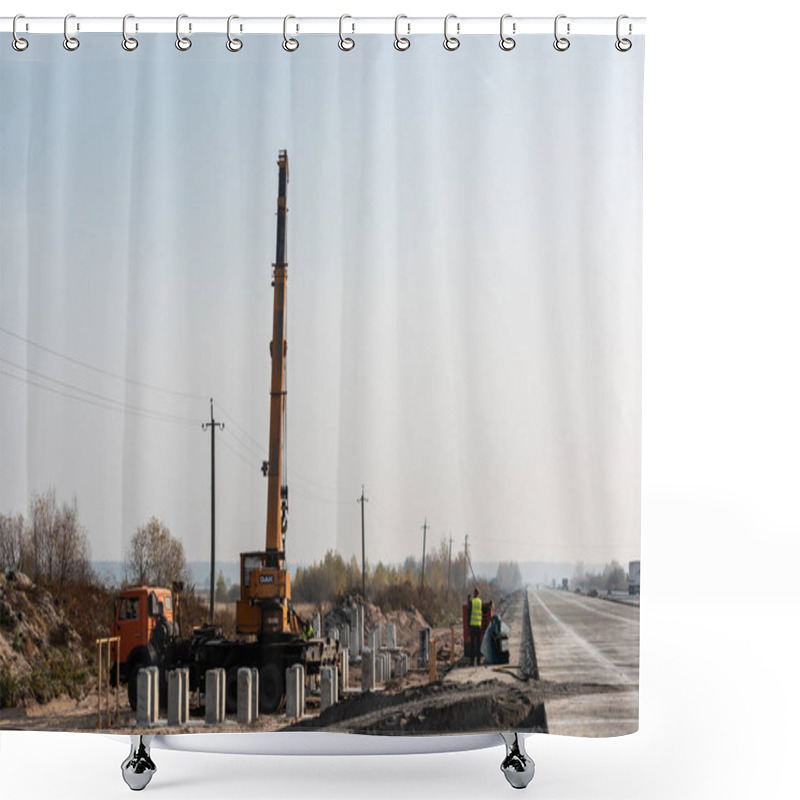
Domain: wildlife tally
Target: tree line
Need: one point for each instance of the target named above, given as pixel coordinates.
(50, 543)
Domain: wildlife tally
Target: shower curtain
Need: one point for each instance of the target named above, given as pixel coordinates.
(457, 423)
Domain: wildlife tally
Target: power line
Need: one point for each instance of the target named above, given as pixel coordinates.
(259, 445)
(99, 370)
(121, 408)
(73, 387)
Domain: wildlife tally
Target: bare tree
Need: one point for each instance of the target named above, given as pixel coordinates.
(55, 546)
(155, 557)
(12, 531)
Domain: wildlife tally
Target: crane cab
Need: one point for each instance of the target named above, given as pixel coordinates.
(263, 606)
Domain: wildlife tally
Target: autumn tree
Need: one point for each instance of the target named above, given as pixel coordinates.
(155, 557)
(54, 544)
(12, 530)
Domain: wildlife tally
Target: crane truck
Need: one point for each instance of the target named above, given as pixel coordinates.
(270, 634)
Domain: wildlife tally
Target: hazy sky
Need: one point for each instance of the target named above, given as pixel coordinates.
(464, 290)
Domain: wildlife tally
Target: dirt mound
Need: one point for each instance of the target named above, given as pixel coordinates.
(407, 621)
(489, 707)
(41, 654)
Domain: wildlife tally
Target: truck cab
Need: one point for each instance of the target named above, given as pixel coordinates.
(137, 612)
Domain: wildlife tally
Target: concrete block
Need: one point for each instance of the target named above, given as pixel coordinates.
(391, 636)
(424, 647)
(326, 688)
(378, 633)
(367, 670)
(215, 696)
(174, 698)
(345, 669)
(336, 694)
(379, 670)
(255, 687)
(295, 691)
(154, 697)
(316, 624)
(387, 665)
(334, 634)
(144, 698)
(244, 696)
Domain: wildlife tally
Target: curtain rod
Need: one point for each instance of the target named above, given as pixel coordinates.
(309, 25)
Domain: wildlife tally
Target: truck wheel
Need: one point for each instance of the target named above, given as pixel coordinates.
(137, 660)
(270, 688)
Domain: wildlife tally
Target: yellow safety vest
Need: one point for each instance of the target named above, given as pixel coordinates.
(476, 618)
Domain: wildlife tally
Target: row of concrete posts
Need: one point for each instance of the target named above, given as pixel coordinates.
(147, 696)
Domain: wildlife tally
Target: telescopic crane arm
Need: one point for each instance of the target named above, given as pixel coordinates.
(263, 608)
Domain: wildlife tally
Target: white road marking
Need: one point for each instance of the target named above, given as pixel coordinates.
(596, 654)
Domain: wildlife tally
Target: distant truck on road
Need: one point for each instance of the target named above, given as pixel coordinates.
(634, 577)
(565, 584)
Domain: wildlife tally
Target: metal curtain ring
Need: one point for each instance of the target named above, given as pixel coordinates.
(451, 42)
(507, 42)
(289, 45)
(561, 43)
(70, 42)
(181, 42)
(345, 42)
(623, 45)
(233, 44)
(18, 43)
(128, 42)
(400, 42)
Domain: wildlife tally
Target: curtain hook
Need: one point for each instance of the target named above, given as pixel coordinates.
(128, 42)
(561, 43)
(181, 42)
(289, 45)
(70, 42)
(400, 42)
(18, 43)
(233, 44)
(623, 45)
(506, 42)
(451, 42)
(345, 42)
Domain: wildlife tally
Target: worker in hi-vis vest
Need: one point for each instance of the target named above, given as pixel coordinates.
(475, 620)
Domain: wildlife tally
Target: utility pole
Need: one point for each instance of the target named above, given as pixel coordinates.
(449, 561)
(424, 538)
(363, 500)
(213, 425)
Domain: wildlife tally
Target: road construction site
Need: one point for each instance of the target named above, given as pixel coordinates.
(580, 679)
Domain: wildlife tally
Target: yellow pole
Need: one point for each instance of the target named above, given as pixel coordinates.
(116, 653)
(107, 679)
(99, 667)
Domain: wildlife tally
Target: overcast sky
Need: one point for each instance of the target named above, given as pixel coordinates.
(464, 290)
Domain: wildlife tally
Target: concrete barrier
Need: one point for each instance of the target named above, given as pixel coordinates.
(345, 668)
(176, 714)
(144, 697)
(295, 691)
(316, 624)
(254, 683)
(326, 688)
(391, 636)
(215, 696)
(244, 696)
(424, 647)
(379, 677)
(367, 670)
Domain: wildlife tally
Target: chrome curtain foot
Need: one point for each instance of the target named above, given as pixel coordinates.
(517, 766)
(138, 768)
